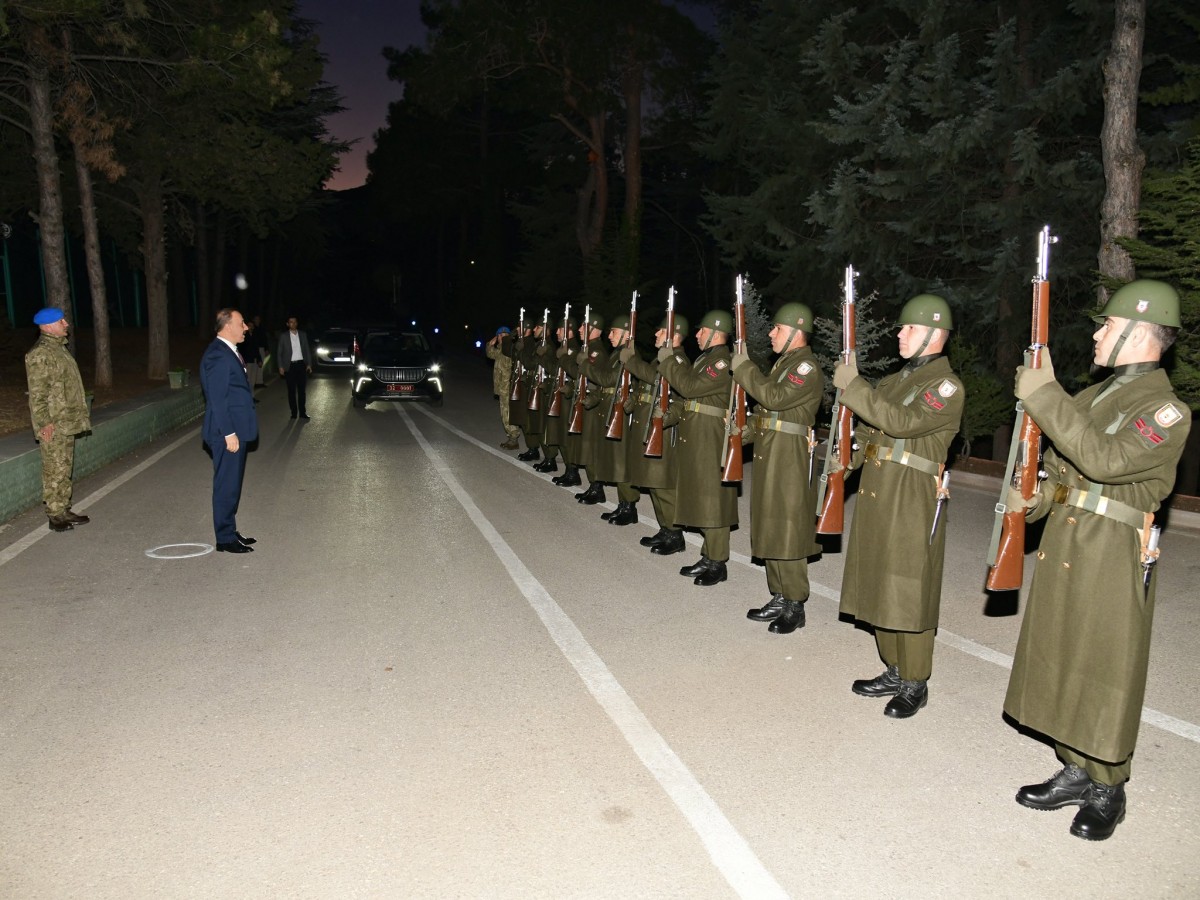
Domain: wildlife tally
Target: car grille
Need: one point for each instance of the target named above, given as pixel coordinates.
(400, 376)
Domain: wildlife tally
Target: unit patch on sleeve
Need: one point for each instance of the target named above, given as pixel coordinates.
(1168, 415)
(721, 364)
(804, 368)
(932, 401)
(1149, 433)
(947, 388)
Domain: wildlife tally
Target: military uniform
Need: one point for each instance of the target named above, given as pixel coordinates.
(608, 455)
(701, 499)
(570, 444)
(501, 356)
(535, 420)
(56, 397)
(782, 499)
(1079, 672)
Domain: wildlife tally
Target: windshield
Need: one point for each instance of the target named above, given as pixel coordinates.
(396, 343)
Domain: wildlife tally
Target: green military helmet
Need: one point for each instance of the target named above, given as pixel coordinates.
(621, 321)
(795, 315)
(926, 309)
(717, 320)
(596, 321)
(1144, 300)
(681, 324)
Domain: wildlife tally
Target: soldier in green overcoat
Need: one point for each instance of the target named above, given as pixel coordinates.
(893, 575)
(782, 498)
(58, 411)
(594, 357)
(656, 474)
(610, 453)
(570, 444)
(1079, 673)
(532, 355)
(702, 500)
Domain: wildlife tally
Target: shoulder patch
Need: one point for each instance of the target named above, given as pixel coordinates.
(721, 364)
(947, 388)
(804, 368)
(592, 356)
(1168, 415)
(1146, 430)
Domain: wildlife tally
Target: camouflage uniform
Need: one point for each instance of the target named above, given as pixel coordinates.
(501, 356)
(56, 398)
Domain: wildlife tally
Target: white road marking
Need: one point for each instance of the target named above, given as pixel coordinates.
(726, 847)
(1189, 731)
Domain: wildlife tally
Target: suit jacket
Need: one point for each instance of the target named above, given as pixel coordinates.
(284, 356)
(230, 401)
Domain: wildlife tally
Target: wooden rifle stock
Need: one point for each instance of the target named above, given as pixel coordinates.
(735, 420)
(560, 383)
(1006, 556)
(831, 496)
(535, 400)
(654, 440)
(620, 403)
(577, 412)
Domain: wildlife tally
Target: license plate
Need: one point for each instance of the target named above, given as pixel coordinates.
(399, 388)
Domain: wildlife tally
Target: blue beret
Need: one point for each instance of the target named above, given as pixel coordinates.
(48, 316)
(503, 329)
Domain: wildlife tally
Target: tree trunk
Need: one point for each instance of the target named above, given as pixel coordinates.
(154, 262)
(50, 208)
(593, 195)
(205, 312)
(1123, 158)
(95, 270)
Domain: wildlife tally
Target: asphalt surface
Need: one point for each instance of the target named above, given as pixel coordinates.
(439, 676)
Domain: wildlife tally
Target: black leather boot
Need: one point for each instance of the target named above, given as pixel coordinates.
(593, 495)
(626, 514)
(883, 685)
(549, 464)
(530, 455)
(569, 478)
(656, 538)
(1069, 786)
(912, 697)
(714, 574)
(695, 568)
(790, 619)
(770, 610)
(1101, 814)
(672, 543)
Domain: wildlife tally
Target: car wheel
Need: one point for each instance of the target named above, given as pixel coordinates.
(358, 404)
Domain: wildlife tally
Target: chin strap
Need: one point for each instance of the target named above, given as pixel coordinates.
(1112, 357)
(925, 343)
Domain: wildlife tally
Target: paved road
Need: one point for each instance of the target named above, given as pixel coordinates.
(439, 676)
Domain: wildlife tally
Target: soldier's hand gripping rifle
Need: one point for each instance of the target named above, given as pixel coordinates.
(576, 425)
(735, 415)
(518, 372)
(831, 493)
(661, 398)
(618, 408)
(560, 384)
(1006, 554)
(539, 381)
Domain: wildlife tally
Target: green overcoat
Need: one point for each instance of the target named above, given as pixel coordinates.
(606, 460)
(893, 573)
(642, 470)
(702, 499)
(1079, 673)
(782, 497)
(518, 412)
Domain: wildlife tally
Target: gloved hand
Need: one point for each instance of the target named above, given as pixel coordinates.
(843, 374)
(627, 353)
(581, 357)
(657, 413)
(562, 352)
(665, 352)
(1029, 380)
(740, 358)
(1014, 501)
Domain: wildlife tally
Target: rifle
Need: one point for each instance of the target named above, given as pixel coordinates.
(662, 391)
(518, 374)
(560, 385)
(535, 401)
(735, 416)
(831, 494)
(576, 426)
(1006, 554)
(616, 423)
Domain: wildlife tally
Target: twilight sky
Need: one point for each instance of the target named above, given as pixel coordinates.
(353, 34)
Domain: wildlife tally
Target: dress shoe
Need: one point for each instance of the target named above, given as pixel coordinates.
(530, 455)
(651, 539)
(770, 611)
(547, 465)
(695, 568)
(293, 415)
(624, 514)
(790, 619)
(883, 685)
(242, 539)
(1069, 786)
(593, 495)
(1103, 812)
(714, 574)
(75, 519)
(60, 523)
(234, 547)
(569, 478)
(672, 543)
(305, 416)
(911, 697)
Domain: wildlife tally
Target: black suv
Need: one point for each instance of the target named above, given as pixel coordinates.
(396, 365)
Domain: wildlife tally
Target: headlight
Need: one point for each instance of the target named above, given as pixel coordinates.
(322, 351)
(363, 367)
(434, 369)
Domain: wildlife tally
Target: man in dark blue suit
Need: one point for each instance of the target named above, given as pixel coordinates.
(229, 426)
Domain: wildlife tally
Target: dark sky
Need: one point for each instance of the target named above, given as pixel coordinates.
(353, 35)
